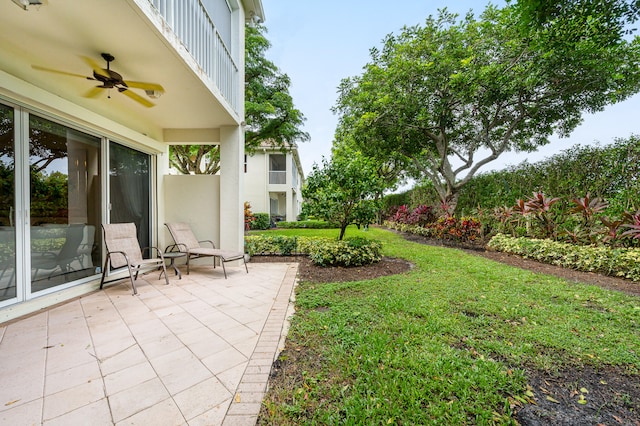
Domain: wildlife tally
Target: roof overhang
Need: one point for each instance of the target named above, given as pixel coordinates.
(254, 10)
(60, 33)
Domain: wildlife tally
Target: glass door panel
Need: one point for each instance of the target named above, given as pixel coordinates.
(7, 205)
(130, 195)
(65, 204)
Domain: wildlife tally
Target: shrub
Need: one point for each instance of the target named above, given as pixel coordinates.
(347, 252)
(248, 216)
(322, 251)
(261, 221)
(280, 244)
(311, 224)
(465, 229)
(271, 245)
(620, 262)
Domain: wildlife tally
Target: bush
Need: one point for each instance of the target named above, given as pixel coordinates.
(619, 262)
(347, 252)
(261, 221)
(322, 251)
(271, 245)
(465, 229)
(311, 224)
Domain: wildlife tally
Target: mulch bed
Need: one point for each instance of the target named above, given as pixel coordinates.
(614, 393)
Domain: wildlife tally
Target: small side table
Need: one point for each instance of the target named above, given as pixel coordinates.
(172, 256)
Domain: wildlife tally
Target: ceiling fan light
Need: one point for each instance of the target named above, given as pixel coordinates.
(153, 94)
(24, 4)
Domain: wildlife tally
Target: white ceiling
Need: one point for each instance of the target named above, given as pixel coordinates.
(59, 33)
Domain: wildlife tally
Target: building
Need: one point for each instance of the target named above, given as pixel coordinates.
(272, 182)
(92, 93)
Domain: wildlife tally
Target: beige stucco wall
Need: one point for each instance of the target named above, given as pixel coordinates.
(194, 199)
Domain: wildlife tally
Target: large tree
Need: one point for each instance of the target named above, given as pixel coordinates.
(344, 190)
(270, 114)
(453, 95)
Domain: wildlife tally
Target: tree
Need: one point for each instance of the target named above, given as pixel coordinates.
(345, 190)
(269, 111)
(613, 15)
(199, 159)
(270, 114)
(453, 96)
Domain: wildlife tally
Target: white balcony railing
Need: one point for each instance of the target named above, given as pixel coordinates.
(192, 24)
(277, 177)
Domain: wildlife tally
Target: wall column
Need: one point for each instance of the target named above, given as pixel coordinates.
(231, 188)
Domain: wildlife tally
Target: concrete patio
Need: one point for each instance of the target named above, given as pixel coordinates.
(195, 352)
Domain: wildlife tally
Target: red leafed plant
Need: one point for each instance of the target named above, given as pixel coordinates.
(632, 223)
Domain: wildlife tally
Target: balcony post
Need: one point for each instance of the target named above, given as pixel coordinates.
(231, 188)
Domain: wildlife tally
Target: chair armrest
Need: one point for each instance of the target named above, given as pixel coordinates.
(181, 247)
(173, 248)
(158, 251)
(208, 241)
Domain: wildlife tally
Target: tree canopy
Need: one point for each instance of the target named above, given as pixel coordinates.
(344, 190)
(453, 95)
(270, 115)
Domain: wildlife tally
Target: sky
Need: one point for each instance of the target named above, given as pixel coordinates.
(317, 43)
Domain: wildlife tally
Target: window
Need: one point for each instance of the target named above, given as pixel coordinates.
(277, 169)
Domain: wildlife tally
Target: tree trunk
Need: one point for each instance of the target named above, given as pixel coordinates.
(343, 228)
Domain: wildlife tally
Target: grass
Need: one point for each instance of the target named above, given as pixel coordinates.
(446, 343)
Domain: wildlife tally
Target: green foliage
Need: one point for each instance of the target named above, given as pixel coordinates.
(322, 251)
(457, 330)
(460, 230)
(620, 262)
(275, 244)
(196, 159)
(343, 191)
(270, 114)
(347, 252)
(453, 89)
(310, 223)
(261, 221)
(611, 173)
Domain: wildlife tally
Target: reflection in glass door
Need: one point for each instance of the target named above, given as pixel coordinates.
(7, 205)
(130, 183)
(65, 203)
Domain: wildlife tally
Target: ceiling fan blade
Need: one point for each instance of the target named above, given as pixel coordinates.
(144, 85)
(95, 66)
(39, 68)
(94, 93)
(136, 97)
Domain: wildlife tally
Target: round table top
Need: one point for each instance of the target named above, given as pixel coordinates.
(174, 254)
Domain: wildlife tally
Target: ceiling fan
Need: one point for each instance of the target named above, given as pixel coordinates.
(110, 79)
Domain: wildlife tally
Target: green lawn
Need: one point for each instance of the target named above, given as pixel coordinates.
(445, 343)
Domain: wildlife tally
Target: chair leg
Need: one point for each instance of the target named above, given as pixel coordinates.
(164, 270)
(188, 257)
(133, 285)
(223, 268)
(244, 259)
(104, 271)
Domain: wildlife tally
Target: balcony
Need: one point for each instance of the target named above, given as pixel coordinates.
(191, 23)
(277, 177)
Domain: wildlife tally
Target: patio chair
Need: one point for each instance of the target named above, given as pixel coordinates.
(62, 259)
(186, 242)
(123, 249)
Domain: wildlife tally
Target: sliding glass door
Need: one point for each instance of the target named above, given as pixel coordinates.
(52, 194)
(129, 189)
(65, 203)
(7, 205)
